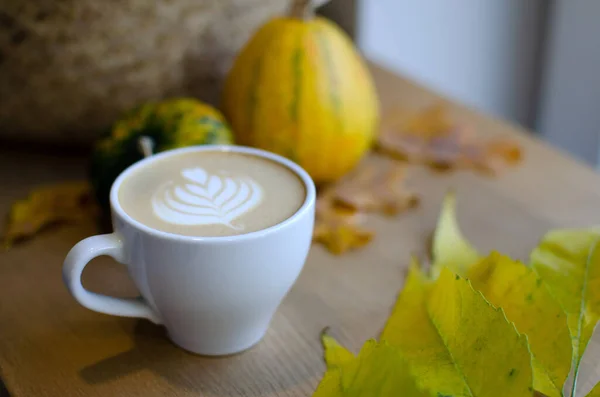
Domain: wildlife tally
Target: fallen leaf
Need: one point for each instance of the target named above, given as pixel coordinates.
(48, 205)
(595, 392)
(449, 326)
(499, 153)
(378, 370)
(450, 248)
(589, 372)
(504, 329)
(339, 229)
(527, 302)
(569, 263)
(376, 185)
(431, 137)
(518, 290)
(409, 327)
(336, 355)
(330, 385)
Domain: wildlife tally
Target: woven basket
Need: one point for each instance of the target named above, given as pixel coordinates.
(68, 68)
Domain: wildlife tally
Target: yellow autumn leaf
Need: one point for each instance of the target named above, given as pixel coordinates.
(46, 205)
(569, 263)
(595, 392)
(589, 372)
(378, 370)
(450, 248)
(529, 305)
(456, 343)
(411, 330)
(330, 385)
(336, 355)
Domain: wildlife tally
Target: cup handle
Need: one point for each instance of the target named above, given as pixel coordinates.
(79, 256)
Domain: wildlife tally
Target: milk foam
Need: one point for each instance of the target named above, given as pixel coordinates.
(206, 199)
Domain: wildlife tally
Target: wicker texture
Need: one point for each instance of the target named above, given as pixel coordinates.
(68, 68)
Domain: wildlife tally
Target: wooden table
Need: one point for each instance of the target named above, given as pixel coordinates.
(51, 346)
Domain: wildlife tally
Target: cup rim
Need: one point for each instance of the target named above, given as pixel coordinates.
(306, 206)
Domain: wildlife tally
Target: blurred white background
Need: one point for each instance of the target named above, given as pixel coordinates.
(531, 62)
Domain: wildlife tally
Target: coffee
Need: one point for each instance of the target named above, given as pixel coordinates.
(211, 193)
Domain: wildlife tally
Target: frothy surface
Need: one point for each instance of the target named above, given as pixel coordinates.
(211, 194)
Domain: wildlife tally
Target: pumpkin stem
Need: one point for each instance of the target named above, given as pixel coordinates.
(146, 145)
(305, 9)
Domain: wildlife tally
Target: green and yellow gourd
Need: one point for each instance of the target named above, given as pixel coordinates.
(300, 89)
(169, 124)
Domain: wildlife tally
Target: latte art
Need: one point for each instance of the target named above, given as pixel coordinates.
(211, 193)
(205, 199)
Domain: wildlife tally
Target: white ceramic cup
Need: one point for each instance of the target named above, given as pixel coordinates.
(214, 295)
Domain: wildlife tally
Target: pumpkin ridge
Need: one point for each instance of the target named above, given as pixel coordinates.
(252, 132)
(297, 56)
(253, 97)
(333, 90)
(334, 95)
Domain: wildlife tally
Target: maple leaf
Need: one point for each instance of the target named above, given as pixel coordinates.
(430, 137)
(339, 229)
(47, 205)
(376, 185)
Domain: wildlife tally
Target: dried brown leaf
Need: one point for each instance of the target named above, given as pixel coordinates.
(431, 137)
(376, 185)
(47, 205)
(338, 228)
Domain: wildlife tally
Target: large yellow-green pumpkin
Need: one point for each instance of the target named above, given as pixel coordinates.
(169, 124)
(300, 89)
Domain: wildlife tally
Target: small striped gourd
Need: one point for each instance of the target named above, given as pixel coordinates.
(300, 89)
(169, 124)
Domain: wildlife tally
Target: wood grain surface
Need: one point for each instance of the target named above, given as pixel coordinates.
(51, 346)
